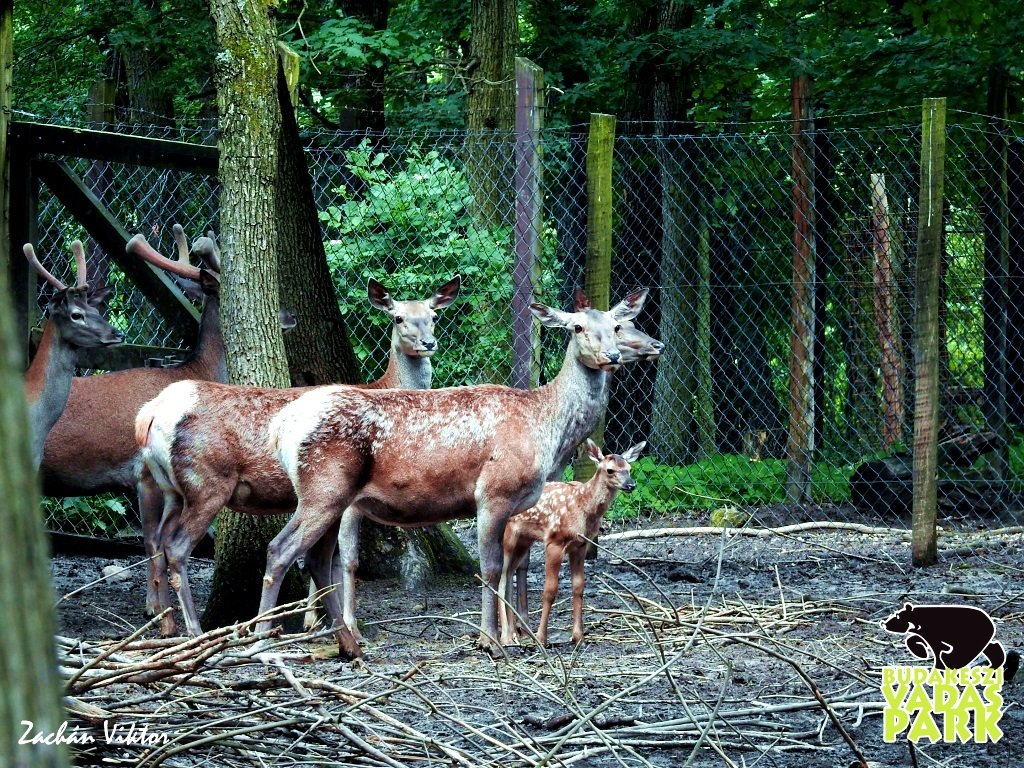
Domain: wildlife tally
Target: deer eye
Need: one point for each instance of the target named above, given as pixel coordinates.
(618, 328)
(578, 329)
(77, 316)
(399, 320)
(611, 471)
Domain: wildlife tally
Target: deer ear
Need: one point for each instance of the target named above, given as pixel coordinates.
(446, 294)
(209, 282)
(100, 296)
(379, 296)
(634, 453)
(593, 452)
(630, 306)
(582, 300)
(549, 318)
(288, 319)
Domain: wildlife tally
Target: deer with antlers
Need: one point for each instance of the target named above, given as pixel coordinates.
(91, 449)
(566, 518)
(74, 320)
(415, 458)
(205, 445)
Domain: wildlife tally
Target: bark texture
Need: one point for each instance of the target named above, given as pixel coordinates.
(489, 110)
(250, 129)
(29, 686)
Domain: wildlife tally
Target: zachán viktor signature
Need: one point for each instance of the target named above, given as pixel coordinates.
(113, 733)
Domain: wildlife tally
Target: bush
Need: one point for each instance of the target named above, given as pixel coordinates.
(409, 226)
(103, 515)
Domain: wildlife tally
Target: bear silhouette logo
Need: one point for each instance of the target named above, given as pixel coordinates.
(954, 635)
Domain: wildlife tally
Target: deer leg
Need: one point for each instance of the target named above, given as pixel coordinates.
(506, 614)
(346, 563)
(310, 616)
(576, 557)
(318, 563)
(171, 505)
(151, 505)
(522, 600)
(309, 523)
(177, 546)
(552, 563)
(490, 531)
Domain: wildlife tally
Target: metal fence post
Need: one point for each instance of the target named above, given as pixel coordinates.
(926, 331)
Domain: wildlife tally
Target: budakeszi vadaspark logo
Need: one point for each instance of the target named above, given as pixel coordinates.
(953, 700)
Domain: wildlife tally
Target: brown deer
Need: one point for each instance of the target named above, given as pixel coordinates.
(566, 518)
(633, 345)
(205, 445)
(74, 320)
(415, 458)
(91, 449)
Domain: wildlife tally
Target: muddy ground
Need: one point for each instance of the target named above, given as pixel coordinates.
(682, 632)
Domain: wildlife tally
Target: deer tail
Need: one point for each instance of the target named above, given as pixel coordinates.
(143, 424)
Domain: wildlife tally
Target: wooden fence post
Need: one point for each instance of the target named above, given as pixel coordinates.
(926, 331)
(597, 269)
(529, 209)
(800, 442)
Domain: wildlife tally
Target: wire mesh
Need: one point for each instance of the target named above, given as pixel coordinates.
(706, 222)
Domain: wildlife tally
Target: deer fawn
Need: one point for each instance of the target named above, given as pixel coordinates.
(205, 445)
(414, 458)
(566, 517)
(74, 320)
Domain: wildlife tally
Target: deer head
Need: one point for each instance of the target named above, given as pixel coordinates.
(613, 469)
(413, 332)
(592, 342)
(77, 313)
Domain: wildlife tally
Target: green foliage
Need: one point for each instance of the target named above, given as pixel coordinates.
(722, 480)
(407, 223)
(102, 515)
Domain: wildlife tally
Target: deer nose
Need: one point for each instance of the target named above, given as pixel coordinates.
(629, 487)
(115, 337)
(658, 346)
(429, 345)
(613, 357)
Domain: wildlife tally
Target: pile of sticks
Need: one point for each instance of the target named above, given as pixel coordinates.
(234, 698)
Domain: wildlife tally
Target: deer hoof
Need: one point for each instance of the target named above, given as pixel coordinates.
(348, 646)
(168, 626)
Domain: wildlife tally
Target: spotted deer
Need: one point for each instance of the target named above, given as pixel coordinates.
(566, 518)
(415, 458)
(74, 320)
(205, 446)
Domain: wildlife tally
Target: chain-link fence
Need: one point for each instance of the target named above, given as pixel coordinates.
(707, 222)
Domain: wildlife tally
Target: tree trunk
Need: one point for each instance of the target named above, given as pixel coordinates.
(29, 686)
(683, 419)
(800, 442)
(489, 110)
(318, 348)
(250, 126)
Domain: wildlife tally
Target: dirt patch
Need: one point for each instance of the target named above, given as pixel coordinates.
(704, 642)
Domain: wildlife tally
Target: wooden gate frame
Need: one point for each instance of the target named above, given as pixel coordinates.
(31, 148)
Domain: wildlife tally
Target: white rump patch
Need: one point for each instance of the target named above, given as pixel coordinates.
(168, 409)
(295, 422)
